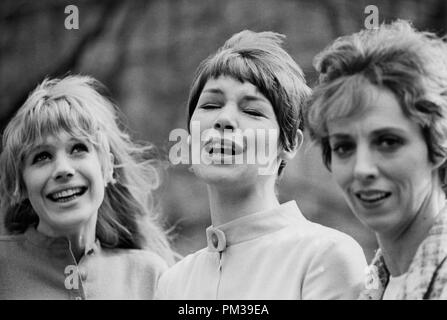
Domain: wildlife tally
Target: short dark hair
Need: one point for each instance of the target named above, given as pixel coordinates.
(258, 58)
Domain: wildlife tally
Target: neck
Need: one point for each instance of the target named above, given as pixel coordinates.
(81, 238)
(230, 204)
(399, 248)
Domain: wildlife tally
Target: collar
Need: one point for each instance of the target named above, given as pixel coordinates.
(252, 226)
(419, 277)
(429, 256)
(56, 244)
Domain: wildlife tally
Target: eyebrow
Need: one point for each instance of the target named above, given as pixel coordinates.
(339, 135)
(39, 146)
(377, 132)
(250, 98)
(213, 90)
(44, 145)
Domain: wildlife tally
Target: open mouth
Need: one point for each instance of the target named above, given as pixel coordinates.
(67, 194)
(372, 196)
(222, 150)
(224, 147)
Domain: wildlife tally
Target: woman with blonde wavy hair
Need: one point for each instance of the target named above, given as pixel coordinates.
(380, 116)
(76, 194)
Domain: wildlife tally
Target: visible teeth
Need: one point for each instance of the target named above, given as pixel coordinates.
(222, 150)
(373, 196)
(66, 193)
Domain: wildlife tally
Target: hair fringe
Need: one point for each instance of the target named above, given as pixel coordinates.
(127, 217)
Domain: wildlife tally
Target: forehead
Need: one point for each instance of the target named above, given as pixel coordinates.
(229, 86)
(60, 137)
(382, 111)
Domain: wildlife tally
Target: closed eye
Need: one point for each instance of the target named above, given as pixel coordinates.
(254, 112)
(209, 106)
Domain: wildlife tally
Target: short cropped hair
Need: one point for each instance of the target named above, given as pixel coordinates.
(411, 64)
(76, 105)
(258, 58)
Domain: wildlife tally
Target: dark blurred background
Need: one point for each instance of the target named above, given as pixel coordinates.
(146, 52)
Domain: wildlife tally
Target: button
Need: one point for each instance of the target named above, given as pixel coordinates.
(214, 240)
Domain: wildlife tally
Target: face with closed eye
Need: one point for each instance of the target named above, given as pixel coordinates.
(227, 106)
(381, 162)
(64, 183)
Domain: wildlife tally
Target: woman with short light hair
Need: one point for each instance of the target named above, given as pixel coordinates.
(379, 114)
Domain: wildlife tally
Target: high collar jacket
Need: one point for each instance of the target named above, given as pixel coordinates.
(273, 254)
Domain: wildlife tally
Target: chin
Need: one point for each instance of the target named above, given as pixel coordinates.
(225, 175)
(382, 223)
(71, 220)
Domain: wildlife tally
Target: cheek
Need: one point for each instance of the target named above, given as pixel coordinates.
(341, 172)
(408, 168)
(97, 183)
(98, 174)
(33, 182)
(413, 174)
(200, 118)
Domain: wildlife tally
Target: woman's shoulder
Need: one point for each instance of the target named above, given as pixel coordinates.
(301, 229)
(306, 231)
(10, 246)
(187, 264)
(5, 238)
(138, 258)
(10, 240)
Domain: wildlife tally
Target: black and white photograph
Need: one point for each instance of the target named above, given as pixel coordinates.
(246, 151)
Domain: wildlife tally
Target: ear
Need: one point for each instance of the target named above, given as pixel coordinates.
(290, 154)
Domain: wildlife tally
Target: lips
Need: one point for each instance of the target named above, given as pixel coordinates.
(223, 147)
(372, 196)
(67, 194)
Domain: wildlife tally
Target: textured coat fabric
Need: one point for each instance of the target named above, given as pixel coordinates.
(34, 266)
(274, 254)
(427, 275)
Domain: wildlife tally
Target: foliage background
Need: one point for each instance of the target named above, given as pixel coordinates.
(146, 52)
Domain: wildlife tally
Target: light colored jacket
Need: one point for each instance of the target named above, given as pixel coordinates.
(34, 266)
(274, 254)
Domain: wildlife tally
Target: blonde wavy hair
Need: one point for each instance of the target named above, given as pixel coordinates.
(127, 217)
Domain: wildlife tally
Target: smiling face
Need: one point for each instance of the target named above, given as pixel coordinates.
(64, 183)
(227, 106)
(380, 160)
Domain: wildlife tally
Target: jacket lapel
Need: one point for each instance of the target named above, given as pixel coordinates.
(420, 280)
(428, 258)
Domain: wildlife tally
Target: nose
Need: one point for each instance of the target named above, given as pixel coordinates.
(365, 167)
(227, 118)
(63, 169)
